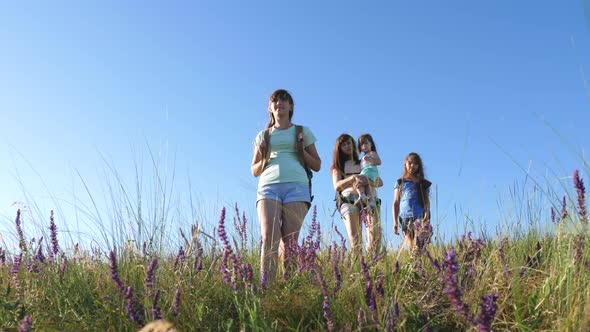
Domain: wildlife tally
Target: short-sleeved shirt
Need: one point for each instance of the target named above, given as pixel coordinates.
(410, 206)
(283, 165)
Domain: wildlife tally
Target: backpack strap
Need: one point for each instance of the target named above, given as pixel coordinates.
(266, 139)
(300, 152)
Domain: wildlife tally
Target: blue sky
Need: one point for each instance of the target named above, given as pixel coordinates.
(473, 87)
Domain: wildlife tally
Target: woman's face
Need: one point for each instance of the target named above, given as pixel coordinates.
(346, 147)
(280, 108)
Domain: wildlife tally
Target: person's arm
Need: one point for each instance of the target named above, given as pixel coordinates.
(427, 204)
(340, 183)
(312, 159)
(377, 183)
(257, 165)
(395, 209)
(373, 158)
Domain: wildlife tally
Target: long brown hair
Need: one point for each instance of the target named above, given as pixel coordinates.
(416, 157)
(283, 95)
(339, 158)
(369, 138)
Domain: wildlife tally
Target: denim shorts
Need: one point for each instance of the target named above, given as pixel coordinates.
(346, 207)
(284, 192)
(407, 223)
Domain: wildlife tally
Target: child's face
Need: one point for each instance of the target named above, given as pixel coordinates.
(366, 146)
(412, 166)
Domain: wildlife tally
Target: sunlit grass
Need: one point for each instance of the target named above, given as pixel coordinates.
(531, 278)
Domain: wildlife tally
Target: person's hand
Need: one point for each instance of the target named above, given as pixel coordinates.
(395, 230)
(301, 139)
(262, 148)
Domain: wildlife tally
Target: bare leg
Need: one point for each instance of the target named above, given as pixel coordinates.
(269, 213)
(409, 238)
(353, 227)
(293, 216)
(374, 232)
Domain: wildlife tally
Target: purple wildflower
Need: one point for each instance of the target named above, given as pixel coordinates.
(337, 275)
(578, 251)
(392, 319)
(249, 275)
(369, 294)
(502, 255)
(433, 261)
(328, 314)
(423, 234)
(488, 312)
(62, 267)
(176, 303)
(342, 239)
(39, 255)
(563, 208)
(264, 279)
(53, 235)
(198, 253)
(17, 260)
(579, 184)
(25, 324)
(452, 286)
(114, 275)
(379, 285)
(179, 258)
(21, 238)
(360, 318)
(553, 215)
(133, 308)
(149, 276)
(155, 310)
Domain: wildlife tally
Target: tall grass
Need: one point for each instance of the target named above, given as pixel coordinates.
(530, 279)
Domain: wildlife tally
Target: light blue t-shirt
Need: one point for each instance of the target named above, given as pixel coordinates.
(283, 165)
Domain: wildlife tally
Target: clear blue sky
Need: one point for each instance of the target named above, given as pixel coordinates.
(468, 85)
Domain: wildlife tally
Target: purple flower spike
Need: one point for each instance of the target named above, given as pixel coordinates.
(360, 317)
(134, 310)
(155, 310)
(488, 312)
(25, 324)
(328, 314)
(579, 184)
(17, 260)
(176, 303)
(264, 279)
(114, 275)
(179, 258)
(53, 235)
(337, 275)
(149, 276)
(452, 286)
(563, 208)
(21, 238)
(62, 267)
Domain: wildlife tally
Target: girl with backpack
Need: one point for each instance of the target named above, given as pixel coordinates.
(284, 155)
(411, 201)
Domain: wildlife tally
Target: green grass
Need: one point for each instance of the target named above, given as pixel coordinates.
(541, 280)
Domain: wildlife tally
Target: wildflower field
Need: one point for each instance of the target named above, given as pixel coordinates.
(531, 281)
